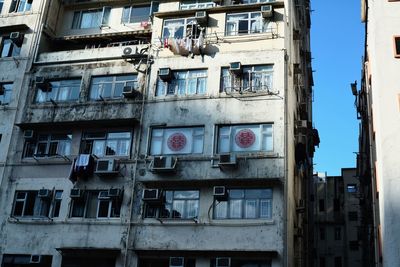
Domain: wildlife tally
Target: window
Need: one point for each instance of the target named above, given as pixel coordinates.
(245, 138)
(245, 263)
(5, 93)
(245, 204)
(20, 260)
(181, 28)
(353, 216)
(396, 40)
(321, 233)
(106, 143)
(250, 79)
(111, 86)
(195, 4)
(30, 204)
(59, 91)
(93, 18)
(321, 205)
(48, 145)
(167, 141)
(20, 5)
(162, 261)
(186, 82)
(177, 204)
(135, 14)
(95, 204)
(1, 5)
(338, 233)
(9, 48)
(246, 23)
(352, 188)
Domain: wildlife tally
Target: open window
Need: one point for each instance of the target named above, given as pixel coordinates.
(37, 203)
(66, 90)
(96, 204)
(112, 86)
(92, 18)
(182, 82)
(5, 93)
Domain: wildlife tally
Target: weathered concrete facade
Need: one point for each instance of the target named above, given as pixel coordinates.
(135, 85)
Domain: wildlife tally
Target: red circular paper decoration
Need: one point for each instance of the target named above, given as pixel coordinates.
(245, 138)
(176, 141)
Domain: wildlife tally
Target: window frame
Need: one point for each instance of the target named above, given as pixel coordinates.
(164, 139)
(48, 142)
(69, 88)
(183, 77)
(19, 6)
(266, 79)
(264, 25)
(115, 81)
(189, 25)
(158, 209)
(8, 48)
(198, 4)
(40, 208)
(5, 98)
(103, 18)
(105, 139)
(267, 137)
(129, 14)
(267, 199)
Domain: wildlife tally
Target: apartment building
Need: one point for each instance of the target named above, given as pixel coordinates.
(338, 220)
(161, 134)
(377, 108)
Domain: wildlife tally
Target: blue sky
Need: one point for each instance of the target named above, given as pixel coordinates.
(337, 40)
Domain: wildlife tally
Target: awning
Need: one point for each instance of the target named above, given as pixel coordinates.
(13, 28)
(89, 252)
(138, 33)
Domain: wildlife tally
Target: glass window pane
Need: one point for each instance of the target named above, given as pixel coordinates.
(192, 208)
(265, 208)
(250, 207)
(98, 148)
(125, 15)
(139, 14)
(221, 209)
(178, 209)
(235, 207)
(186, 194)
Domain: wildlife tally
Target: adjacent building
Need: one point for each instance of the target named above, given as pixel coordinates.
(338, 220)
(174, 133)
(378, 106)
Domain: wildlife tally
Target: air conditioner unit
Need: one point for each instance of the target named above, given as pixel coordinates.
(267, 11)
(220, 193)
(106, 166)
(29, 134)
(223, 262)
(103, 195)
(114, 192)
(17, 38)
(163, 164)
(2, 89)
(227, 160)
(165, 74)
(35, 259)
(302, 124)
(44, 193)
(130, 91)
(176, 262)
(151, 195)
(76, 193)
(42, 84)
(201, 18)
(235, 67)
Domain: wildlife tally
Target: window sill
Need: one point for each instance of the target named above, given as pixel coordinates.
(241, 222)
(100, 221)
(46, 160)
(250, 37)
(170, 221)
(31, 220)
(16, 14)
(167, 98)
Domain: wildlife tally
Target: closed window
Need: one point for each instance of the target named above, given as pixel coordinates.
(31, 204)
(396, 40)
(195, 4)
(20, 5)
(167, 141)
(59, 91)
(8, 48)
(181, 28)
(249, 79)
(5, 93)
(93, 18)
(186, 82)
(106, 143)
(95, 204)
(245, 138)
(135, 14)
(175, 204)
(245, 204)
(246, 23)
(48, 145)
(111, 87)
